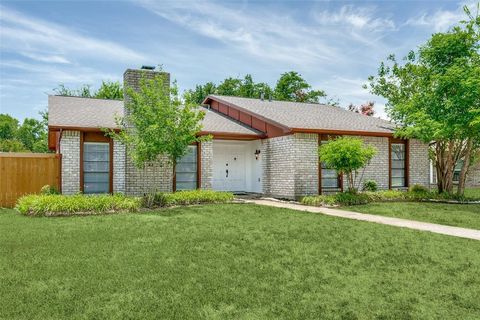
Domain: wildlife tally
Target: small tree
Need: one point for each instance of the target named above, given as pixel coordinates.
(156, 123)
(347, 155)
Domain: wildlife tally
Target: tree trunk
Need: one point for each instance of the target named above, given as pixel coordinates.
(351, 184)
(466, 164)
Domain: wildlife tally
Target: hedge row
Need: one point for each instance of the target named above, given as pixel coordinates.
(186, 198)
(56, 205)
(349, 199)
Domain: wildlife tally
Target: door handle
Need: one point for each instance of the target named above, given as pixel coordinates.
(227, 173)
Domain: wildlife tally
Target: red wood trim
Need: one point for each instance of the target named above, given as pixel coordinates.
(81, 160)
(59, 172)
(326, 137)
(254, 115)
(231, 136)
(91, 136)
(110, 188)
(174, 178)
(199, 165)
(407, 163)
(343, 132)
(319, 166)
(407, 160)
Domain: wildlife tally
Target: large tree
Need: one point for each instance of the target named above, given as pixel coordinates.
(31, 135)
(292, 87)
(108, 90)
(435, 96)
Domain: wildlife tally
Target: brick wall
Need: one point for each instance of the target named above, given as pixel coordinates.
(206, 154)
(70, 150)
(290, 165)
(419, 166)
(118, 167)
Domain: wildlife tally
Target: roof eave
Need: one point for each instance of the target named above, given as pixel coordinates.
(343, 132)
(232, 135)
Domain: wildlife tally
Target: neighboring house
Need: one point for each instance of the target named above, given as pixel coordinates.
(473, 174)
(261, 146)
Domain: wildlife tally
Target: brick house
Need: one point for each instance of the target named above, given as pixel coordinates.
(258, 145)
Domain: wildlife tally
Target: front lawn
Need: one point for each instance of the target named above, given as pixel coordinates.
(232, 261)
(458, 215)
(472, 193)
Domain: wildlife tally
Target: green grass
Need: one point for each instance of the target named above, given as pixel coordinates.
(458, 215)
(472, 192)
(231, 262)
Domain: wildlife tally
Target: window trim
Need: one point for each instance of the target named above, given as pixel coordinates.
(96, 137)
(326, 137)
(407, 161)
(199, 169)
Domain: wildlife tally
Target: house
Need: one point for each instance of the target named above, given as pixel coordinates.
(258, 145)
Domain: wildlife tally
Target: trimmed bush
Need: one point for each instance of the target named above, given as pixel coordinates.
(370, 185)
(48, 189)
(351, 199)
(62, 205)
(187, 197)
(342, 198)
(318, 201)
(418, 189)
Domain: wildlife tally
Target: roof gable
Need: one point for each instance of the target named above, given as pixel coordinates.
(308, 117)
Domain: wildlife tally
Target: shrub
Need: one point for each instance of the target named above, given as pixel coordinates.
(56, 205)
(186, 198)
(387, 195)
(370, 185)
(48, 189)
(343, 198)
(416, 188)
(321, 200)
(351, 199)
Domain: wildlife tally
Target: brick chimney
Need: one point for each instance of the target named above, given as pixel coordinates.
(132, 77)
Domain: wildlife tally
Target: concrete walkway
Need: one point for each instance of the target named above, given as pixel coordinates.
(404, 223)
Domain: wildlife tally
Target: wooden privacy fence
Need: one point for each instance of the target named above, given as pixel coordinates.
(24, 173)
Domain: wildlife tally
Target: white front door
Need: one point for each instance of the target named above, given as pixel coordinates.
(229, 168)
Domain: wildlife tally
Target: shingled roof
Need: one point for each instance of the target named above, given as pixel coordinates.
(307, 116)
(75, 112)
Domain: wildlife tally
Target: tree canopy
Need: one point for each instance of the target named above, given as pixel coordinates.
(157, 123)
(31, 135)
(112, 90)
(289, 87)
(435, 95)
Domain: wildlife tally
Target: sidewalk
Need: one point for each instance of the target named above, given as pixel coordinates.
(404, 223)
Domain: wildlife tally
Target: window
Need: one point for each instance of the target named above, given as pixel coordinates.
(96, 167)
(398, 174)
(330, 180)
(186, 170)
(457, 170)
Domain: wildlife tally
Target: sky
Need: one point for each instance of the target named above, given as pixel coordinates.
(334, 45)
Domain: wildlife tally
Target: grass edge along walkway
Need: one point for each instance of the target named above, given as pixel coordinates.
(404, 223)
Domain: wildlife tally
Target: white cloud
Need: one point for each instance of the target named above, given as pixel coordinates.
(270, 35)
(355, 17)
(45, 57)
(53, 43)
(441, 20)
